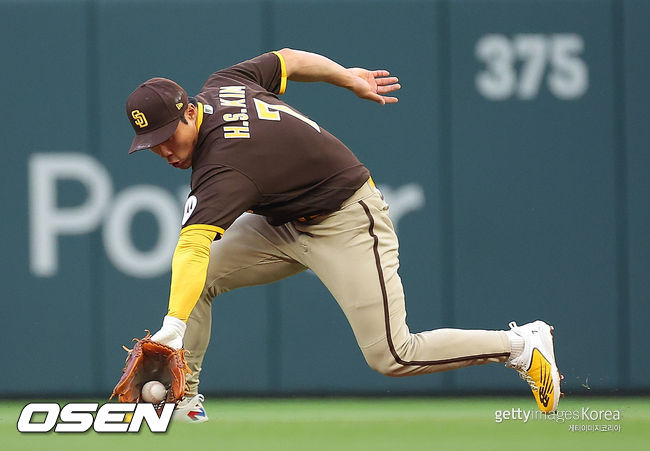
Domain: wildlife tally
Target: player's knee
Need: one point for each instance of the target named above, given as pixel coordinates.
(384, 363)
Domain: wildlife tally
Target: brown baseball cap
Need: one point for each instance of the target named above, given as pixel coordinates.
(154, 109)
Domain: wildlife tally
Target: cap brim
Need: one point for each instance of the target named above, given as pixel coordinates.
(154, 137)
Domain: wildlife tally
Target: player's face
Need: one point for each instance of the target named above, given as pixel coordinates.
(178, 149)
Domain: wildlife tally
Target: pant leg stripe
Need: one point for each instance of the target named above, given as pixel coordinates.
(389, 336)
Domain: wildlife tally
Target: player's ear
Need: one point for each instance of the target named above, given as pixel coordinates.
(191, 112)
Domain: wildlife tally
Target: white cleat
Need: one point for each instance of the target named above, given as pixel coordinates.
(190, 410)
(536, 364)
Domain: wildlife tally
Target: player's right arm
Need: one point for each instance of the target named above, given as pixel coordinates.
(311, 67)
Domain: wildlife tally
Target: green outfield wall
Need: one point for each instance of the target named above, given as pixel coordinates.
(516, 164)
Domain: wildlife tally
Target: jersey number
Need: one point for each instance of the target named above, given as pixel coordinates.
(270, 112)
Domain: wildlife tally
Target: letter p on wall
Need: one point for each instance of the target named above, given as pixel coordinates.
(46, 219)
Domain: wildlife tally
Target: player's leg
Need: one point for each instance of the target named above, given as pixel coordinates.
(251, 252)
(355, 253)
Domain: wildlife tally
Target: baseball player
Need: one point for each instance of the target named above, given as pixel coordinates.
(273, 194)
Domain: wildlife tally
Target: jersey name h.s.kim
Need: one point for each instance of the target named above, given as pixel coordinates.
(256, 153)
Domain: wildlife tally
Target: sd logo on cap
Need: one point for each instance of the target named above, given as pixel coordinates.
(154, 109)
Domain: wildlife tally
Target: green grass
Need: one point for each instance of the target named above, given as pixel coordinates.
(359, 424)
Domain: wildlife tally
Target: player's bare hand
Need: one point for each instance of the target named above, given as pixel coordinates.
(374, 85)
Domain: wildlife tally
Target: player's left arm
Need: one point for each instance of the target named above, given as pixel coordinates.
(189, 271)
(189, 268)
(310, 67)
(221, 194)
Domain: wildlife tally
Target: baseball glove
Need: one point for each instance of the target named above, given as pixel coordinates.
(149, 361)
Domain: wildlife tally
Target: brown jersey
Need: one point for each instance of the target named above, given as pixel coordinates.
(256, 153)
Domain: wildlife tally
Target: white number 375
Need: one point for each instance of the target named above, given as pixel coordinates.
(568, 75)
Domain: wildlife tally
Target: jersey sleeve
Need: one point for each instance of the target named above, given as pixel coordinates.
(219, 196)
(267, 70)
(189, 270)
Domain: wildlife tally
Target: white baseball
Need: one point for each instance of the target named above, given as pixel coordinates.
(153, 391)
